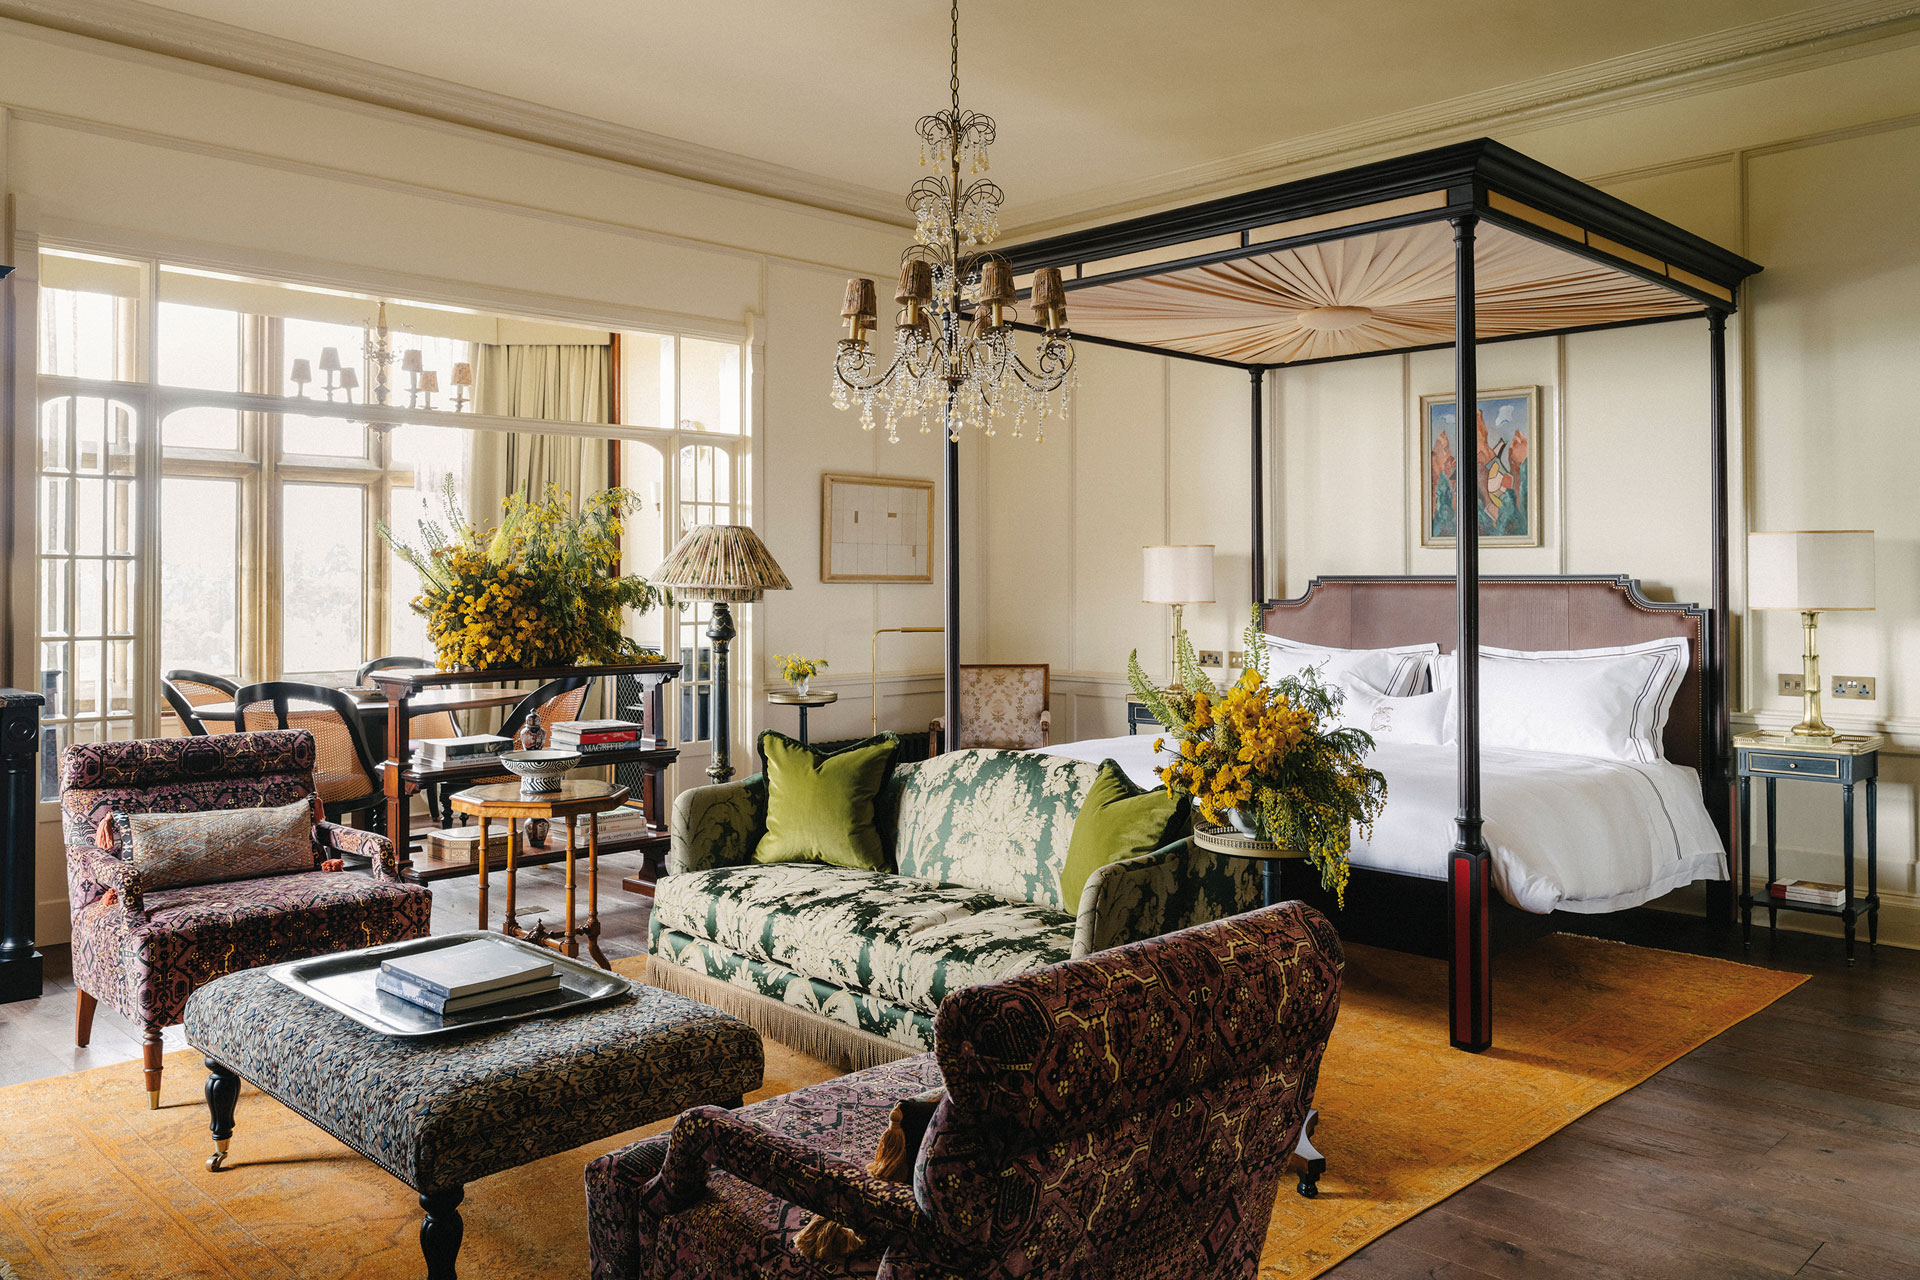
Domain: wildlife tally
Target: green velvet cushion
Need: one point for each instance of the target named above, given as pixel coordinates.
(820, 804)
(1117, 821)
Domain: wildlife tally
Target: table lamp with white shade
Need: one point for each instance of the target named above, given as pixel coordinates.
(728, 565)
(1813, 572)
(1178, 576)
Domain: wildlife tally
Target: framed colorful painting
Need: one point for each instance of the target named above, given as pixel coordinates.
(1506, 436)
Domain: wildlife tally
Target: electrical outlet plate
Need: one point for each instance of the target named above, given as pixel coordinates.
(1860, 687)
(1237, 659)
(1210, 658)
(1792, 686)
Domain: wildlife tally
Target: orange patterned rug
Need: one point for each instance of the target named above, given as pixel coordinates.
(92, 1184)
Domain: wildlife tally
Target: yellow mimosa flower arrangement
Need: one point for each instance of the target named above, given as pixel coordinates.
(1268, 756)
(541, 589)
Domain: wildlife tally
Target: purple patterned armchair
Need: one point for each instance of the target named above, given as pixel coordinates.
(1124, 1116)
(144, 950)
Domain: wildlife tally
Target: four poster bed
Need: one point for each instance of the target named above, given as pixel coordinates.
(1474, 242)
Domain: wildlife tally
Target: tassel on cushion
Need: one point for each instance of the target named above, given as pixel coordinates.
(823, 1240)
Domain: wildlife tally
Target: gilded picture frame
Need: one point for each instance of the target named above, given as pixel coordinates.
(875, 529)
(1509, 454)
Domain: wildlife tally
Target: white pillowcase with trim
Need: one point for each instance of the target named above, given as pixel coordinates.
(1608, 703)
(1396, 672)
(1423, 719)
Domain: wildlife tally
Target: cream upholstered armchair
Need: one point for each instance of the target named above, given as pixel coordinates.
(1002, 704)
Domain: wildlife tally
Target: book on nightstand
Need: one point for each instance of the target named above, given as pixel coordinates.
(1813, 892)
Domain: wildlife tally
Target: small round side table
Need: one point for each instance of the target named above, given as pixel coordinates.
(1232, 844)
(1306, 1162)
(805, 701)
(575, 798)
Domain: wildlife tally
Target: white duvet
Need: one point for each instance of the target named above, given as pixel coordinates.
(1567, 833)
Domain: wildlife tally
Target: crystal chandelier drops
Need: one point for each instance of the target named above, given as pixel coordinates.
(954, 359)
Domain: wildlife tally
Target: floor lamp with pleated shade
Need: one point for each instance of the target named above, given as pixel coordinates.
(725, 564)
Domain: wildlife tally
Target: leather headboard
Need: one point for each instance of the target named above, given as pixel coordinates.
(1516, 612)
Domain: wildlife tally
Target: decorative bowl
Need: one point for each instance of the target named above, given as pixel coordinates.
(539, 771)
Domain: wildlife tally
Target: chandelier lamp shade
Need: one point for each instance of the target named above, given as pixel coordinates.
(724, 564)
(954, 359)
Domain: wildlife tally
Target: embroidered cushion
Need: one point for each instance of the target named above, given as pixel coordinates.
(172, 849)
(1118, 821)
(820, 804)
(999, 821)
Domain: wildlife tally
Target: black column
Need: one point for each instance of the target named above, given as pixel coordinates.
(19, 812)
(1259, 473)
(951, 709)
(720, 631)
(1470, 984)
(1717, 776)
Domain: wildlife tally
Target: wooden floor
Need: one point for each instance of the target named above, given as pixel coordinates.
(1789, 1146)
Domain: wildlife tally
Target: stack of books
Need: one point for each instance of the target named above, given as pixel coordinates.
(590, 737)
(466, 977)
(1813, 892)
(437, 751)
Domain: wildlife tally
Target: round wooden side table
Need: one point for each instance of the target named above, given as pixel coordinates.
(575, 798)
(1307, 1163)
(805, 701)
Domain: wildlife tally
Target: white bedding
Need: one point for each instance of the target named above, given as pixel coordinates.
(1568, 833)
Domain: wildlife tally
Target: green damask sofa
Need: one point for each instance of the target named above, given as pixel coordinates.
(851, 966)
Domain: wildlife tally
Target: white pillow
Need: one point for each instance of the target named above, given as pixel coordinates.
(1424, 719)
(1396, 672)
(1610, 703)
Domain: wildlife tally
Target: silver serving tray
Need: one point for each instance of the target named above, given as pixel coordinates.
(345, 984)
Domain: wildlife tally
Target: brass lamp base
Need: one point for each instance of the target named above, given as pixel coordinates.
(1812, 728)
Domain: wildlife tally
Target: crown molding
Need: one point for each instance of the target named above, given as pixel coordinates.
(220, 45)
(1738, 55)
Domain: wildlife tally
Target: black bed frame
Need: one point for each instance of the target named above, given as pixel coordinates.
(1479, 181)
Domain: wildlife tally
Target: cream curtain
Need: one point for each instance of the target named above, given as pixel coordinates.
(564, 383)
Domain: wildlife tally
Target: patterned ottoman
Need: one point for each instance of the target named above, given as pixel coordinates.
(439, 1112)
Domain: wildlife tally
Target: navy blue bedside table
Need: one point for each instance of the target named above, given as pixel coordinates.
(1849, 762)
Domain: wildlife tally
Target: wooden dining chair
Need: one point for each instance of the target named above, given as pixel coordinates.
(346, 772)
(185, 690)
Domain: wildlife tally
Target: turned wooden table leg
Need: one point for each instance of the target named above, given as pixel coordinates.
(486, 869)
(511, 925)
(569, 942)
(593, 892)
(223, 1090)
(441, 1230)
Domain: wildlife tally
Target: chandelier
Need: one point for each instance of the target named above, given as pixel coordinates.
(954, 358)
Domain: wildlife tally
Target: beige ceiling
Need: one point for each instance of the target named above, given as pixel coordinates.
(1092, 96)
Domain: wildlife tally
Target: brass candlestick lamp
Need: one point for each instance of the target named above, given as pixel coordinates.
(1811, 572)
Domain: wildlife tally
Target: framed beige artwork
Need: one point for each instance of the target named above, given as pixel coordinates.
(875, 529)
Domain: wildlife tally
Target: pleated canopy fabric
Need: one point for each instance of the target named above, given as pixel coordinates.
(1249, 310)
(726, 562)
